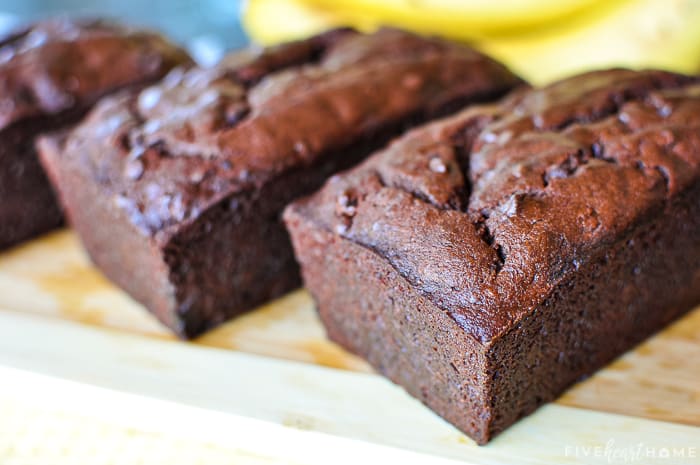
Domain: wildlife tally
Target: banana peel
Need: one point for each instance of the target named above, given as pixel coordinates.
(577, 36)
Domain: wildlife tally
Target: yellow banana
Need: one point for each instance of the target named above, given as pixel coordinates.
(272, 21)
(462, 19)
(641, 34)
(634, 33)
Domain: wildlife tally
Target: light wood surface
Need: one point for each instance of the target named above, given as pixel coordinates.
(650, 395)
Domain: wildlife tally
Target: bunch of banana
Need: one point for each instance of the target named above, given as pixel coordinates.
(540, 39)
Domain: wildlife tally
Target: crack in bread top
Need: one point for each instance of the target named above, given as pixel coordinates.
(487, 211)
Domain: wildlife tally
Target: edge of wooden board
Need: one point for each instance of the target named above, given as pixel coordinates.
(299, 412)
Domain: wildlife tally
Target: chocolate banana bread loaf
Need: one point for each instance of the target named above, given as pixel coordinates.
(177, 191)
(50, 74)
(487, 261)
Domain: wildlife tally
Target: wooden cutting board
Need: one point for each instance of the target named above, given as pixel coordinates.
(279, 376)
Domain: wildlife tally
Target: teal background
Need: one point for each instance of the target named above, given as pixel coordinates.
(206, 27)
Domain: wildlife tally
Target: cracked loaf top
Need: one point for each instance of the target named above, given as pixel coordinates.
(485, 212)
(174, 149)
(60, 64)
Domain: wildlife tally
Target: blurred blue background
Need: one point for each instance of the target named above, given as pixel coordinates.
(206, 27)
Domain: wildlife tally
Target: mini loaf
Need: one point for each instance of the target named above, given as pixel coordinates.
(487, 261)
(177, 191)
(50, 74)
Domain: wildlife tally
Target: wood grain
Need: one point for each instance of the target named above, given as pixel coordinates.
(659, 380)
(299, 411)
